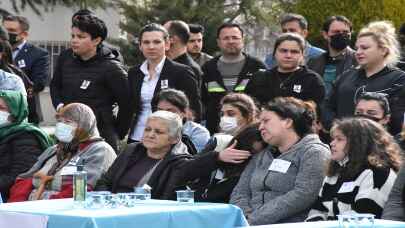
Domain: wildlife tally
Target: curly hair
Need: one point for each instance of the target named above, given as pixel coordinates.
(368, 145)
(244, 103)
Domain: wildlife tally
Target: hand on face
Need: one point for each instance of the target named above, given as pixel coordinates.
(231, 155)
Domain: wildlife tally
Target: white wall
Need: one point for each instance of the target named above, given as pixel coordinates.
(55, 25)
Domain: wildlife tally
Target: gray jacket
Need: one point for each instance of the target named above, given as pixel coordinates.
(393, 209)
(268, 197)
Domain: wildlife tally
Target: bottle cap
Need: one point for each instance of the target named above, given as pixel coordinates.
(80, 168)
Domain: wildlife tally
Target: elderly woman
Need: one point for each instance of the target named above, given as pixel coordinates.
(153, 161)
(282, 182)
(176, 101)
(20, 142)
(78, 143)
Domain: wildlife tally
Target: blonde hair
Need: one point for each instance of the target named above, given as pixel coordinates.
(383, 32)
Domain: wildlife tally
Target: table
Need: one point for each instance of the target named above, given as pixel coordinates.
(152, 213)
(378, 223)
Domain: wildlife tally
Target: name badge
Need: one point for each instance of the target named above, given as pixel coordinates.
(279, 165)
(164, 84)
(85, 84)
(347, 187)
(21, 63)
(297, 88)
(68, 170)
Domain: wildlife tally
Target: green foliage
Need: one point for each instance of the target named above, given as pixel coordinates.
(360, 12)
(46, 5)
(209, 13)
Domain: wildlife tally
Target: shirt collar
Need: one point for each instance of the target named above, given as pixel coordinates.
(19, 47)
(158, 68)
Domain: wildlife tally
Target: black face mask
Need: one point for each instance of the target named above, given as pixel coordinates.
(369, 117)
(13, 38)
(339, 41)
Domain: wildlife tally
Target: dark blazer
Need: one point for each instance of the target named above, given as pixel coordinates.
(164, 180)
(178, 77)
(34, 61)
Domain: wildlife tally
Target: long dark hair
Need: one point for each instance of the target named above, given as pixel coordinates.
(368, 145)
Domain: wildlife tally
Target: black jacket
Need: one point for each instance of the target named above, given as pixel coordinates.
(164, 180)
(352, 83)
(174, 75)
(343, 62)
(303, 84)
(18, 152)
(99, 82)
(214, 87)
(188, 61)
(200, 168)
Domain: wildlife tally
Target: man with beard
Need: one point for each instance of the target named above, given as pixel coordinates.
(228, 72)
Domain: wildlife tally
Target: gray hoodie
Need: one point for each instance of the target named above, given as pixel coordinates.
(268, 196)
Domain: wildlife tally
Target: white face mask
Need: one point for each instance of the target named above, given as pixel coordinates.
(228, 124)
(4, 118)
(64, 132)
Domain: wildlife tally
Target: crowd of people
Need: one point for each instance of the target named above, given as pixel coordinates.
(304, 136)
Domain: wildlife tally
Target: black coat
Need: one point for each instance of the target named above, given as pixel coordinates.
(18, 152)
(178, 76)
(343, 62)
(99, 82)
(188, 61)
(303, 84)
(214, 87)
(351, 84)
(164, 180)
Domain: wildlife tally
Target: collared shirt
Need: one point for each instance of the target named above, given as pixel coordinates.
(198, 134)
(18, 49)
(147, 91)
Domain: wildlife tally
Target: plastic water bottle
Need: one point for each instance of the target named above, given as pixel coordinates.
(79, 187)
(1, 199)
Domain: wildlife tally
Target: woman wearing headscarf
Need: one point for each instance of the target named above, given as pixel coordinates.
(20, 142)
(79, 142)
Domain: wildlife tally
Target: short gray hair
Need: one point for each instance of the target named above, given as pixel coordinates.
(173, 121)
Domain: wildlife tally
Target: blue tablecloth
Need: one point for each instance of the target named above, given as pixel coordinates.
(378, 223)
(153, 213)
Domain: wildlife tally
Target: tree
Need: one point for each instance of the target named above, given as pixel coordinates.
(360, 12)
(209, 13)
(35, 5)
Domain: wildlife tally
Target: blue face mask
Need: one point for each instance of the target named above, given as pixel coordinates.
(4, 121)
(64, 132)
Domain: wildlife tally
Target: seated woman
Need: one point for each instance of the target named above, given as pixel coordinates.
(282, 189)
(176, 101)
(20, 142)
(394, 208)
(221, 163)
(361, 172)
(153, 161)
(78, 143)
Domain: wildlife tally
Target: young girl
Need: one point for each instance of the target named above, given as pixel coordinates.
(361, 172)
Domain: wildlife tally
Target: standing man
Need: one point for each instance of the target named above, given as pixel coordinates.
(228, 72)
(33, 60)
(179, 34)
(93, 75)
(296, 23)
(195, 44)
(337, 31)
